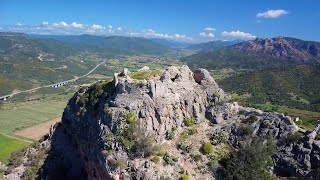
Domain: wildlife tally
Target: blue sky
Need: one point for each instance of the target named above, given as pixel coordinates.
(183, 20)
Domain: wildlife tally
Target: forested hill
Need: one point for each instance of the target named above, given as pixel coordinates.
(293, 86)
(135, 45)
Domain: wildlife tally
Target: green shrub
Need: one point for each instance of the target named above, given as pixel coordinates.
(216, 94)
(318, 137)
(207, 148)
(170, 160)
(161, 152)
(294, 137)
(156, 159)
(246, 129)
(197, 157)
(251, 119)
(189, 121)
(253, 161)
(115, 163)
(130, 118)
(185, 148)
(218, 139)
(185, 177)
(135, 140)
(170, 135)
(193, 131)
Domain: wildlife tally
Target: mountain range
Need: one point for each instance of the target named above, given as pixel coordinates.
(258, 53)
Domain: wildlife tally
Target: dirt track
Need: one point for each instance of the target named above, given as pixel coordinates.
(37, 131)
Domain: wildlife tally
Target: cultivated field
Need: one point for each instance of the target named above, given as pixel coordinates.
(22, 121)
(27, 115)
(9, 145)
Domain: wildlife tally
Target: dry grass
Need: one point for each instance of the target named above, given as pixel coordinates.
(38, 131)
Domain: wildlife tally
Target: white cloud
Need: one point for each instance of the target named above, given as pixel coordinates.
(238, 34)
(96, 27)
(63, 24)
(209, 29)
(153, 34)
(45, 23)
(272, 13)
(76, 28)
(207, 34)
(76, 25)
(60, 24)
(19, 24)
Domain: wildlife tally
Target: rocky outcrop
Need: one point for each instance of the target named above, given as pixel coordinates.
(283, 47)
(91, 141)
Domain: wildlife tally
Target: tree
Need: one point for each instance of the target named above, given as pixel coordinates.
(253, 161)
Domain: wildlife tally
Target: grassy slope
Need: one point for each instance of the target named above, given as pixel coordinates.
(9, 145)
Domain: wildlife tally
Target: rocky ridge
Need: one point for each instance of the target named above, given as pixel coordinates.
(284, 48)
(117, 129)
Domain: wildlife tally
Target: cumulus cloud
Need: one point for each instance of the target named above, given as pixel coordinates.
(60, 24)
(209, 29)
(76, 25)
(76, 28)
(272, 13)
(207, 34)
(63, 24)
(150, 33)
(45, 23)
(238, 34)
(96, 27)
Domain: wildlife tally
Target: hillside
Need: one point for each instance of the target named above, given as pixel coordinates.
(294, 86)
(257, 54)
(28, 61)
(212, 45)
(170, 43)
(135, 45)
(179, 125)
(231, 58)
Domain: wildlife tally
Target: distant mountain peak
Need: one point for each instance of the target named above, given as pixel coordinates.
(283, 47)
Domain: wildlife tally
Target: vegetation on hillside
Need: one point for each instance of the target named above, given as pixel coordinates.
(292, 86)
(230, 58)
(250, 162)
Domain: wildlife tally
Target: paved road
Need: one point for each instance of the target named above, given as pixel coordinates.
(50, 85)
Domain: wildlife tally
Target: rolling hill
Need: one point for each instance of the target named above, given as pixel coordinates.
(27, 61)
(212, 45)
(293, 86)
(135, 45)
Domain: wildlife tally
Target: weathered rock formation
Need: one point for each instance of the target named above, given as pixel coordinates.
(92, 141)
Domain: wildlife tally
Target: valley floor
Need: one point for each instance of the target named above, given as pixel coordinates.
(24, 123)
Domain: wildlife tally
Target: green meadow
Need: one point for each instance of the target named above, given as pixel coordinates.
(9, 145)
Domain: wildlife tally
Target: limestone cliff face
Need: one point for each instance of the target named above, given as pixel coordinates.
(160, 105)
(112, 129)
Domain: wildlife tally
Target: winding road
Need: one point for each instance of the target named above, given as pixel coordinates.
(51, 85)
